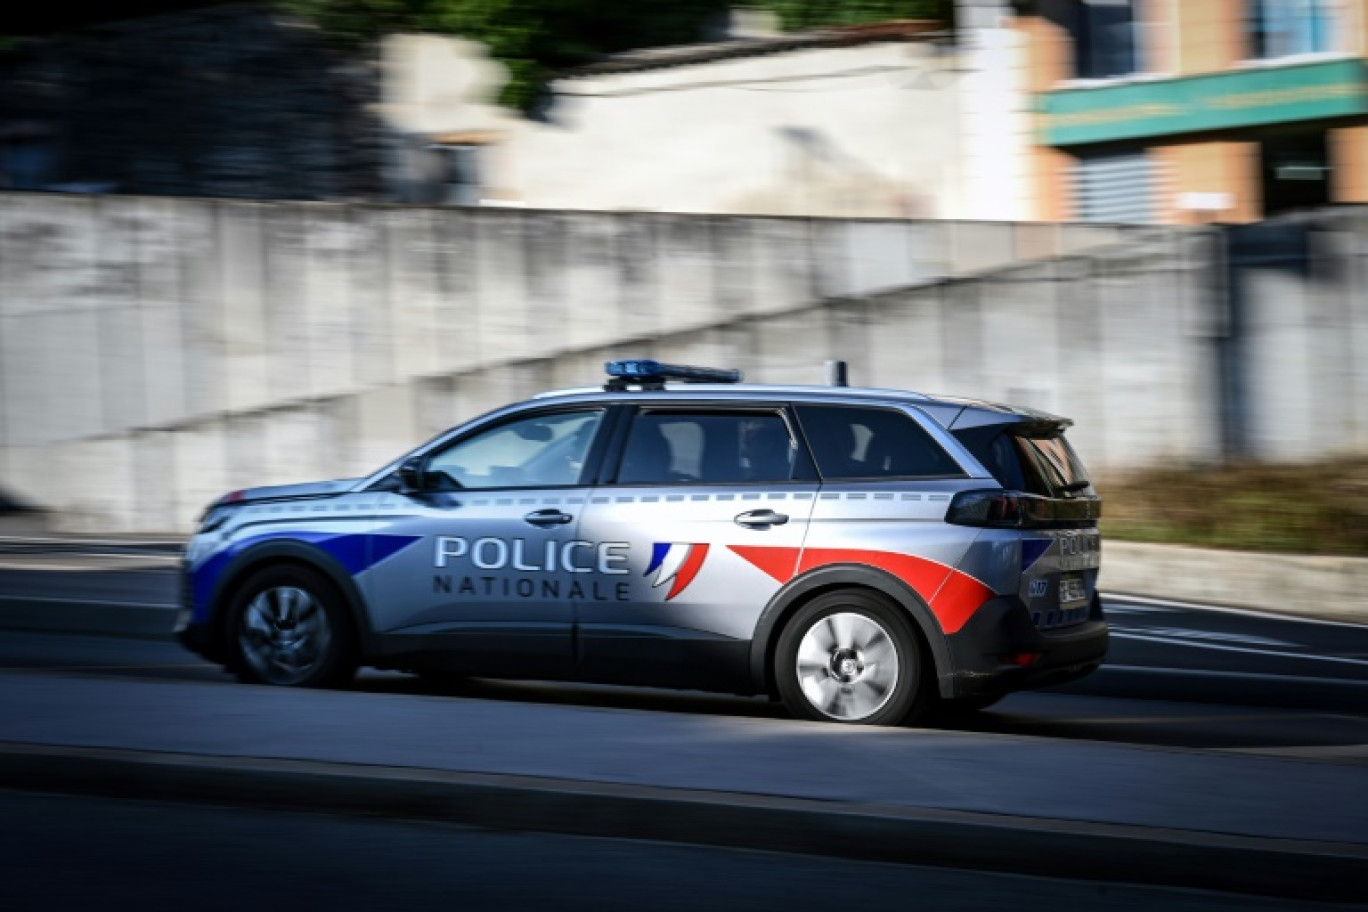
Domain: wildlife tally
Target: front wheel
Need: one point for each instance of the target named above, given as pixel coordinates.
(289, 629)
(849, 656)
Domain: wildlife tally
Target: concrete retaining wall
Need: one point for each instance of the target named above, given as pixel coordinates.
(157, 352)
(1033, 334)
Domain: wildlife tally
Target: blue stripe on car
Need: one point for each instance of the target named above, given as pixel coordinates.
(356, 552)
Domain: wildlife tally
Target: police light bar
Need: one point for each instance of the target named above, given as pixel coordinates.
(649, 373)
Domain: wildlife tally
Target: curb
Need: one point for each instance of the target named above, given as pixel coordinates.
(957, 839)
(1315, 586)
(62, 615)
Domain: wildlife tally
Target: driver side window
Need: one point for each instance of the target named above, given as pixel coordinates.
(538, 452)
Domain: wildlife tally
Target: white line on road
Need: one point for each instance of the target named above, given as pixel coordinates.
(1225, 609)
(1206, 636)
(103, 603)
(1309, 657)
(1214, 674)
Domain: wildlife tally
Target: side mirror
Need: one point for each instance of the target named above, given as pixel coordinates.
(411, 473)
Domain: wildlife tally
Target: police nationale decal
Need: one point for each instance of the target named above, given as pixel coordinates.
(581, 570)
(676, 563)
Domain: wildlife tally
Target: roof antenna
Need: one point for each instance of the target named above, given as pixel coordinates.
(836, 373)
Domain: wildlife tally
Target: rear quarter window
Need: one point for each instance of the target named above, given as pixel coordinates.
(859, 443)
(1045, 465)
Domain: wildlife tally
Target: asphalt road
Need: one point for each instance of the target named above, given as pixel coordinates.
(1177, 675)
(88, 853)
(1220, 681)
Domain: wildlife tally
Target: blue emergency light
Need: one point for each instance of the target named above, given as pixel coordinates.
(648, 373)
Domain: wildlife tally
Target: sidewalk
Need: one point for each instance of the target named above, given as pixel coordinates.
(998, 802)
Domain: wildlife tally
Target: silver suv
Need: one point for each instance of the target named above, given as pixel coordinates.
(864, 555)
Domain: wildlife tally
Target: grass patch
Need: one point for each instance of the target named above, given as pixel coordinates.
(1319, 508)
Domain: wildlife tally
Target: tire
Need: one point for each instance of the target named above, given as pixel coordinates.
(289, 628)
(850, 656)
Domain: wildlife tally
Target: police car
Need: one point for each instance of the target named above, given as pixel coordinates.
(864, 555)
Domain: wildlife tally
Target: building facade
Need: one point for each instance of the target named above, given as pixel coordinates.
(859, 122)
(1192, 112)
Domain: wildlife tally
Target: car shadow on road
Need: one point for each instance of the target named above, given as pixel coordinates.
(1039, 714)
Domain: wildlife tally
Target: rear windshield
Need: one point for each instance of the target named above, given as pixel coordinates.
(1037, 465)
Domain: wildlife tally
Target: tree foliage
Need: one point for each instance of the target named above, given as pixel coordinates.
(804, 14)
(534, 38)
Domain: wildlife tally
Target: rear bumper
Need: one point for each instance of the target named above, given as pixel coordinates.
(999, 650)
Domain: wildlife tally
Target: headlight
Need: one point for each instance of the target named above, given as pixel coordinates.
(213, 517)
(218, 512)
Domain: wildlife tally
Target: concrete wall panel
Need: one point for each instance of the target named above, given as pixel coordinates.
(228, 326)
(686, 281)
(905, 350)
(414, 292)
(331, 241)
(504, 329)
(288, 328)
(161, 224)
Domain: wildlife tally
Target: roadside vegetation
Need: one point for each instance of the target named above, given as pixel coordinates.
(535, 38)
(1319, 508)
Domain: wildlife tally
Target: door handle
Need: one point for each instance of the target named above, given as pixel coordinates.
(761, 519)
(548, 518)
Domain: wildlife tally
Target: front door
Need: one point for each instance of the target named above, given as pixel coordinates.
(705, 501)
(490, 586)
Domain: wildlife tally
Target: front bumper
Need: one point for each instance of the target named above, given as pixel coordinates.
(999, 651)
(196, 636)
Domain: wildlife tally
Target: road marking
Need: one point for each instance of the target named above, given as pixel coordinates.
(1309, 657)
(1306, 680)
(65, 564)
(91, 542)
(1224, 609)
(1337, 752)
(104, 603)
(1189, 633)
(41, 668)
(1113, 608)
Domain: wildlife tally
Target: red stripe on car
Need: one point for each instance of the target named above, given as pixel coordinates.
(952, 595)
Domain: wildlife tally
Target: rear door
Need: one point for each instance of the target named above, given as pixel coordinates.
(887, 478)
(709, 505)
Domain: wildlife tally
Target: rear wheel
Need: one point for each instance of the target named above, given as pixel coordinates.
(289, 628)
(849, 656)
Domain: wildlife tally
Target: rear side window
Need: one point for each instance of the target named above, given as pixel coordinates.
(1047, 465)
(1054, 462)
(855, 443)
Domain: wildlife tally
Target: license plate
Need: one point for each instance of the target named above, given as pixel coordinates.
(1072, 590)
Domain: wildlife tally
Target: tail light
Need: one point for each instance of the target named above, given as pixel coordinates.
(995, 509)
(1000, 509)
